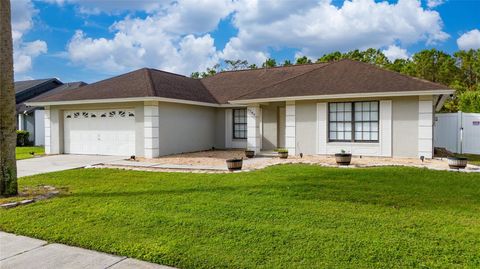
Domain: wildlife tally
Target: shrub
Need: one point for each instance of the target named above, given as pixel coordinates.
(469, 102)
(22, 138)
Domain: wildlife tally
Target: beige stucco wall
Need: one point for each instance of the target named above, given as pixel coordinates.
(185, 128)
(220, 133)
(404, 125)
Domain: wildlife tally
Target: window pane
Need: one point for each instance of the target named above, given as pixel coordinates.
(366, 116)
(348, 116)
(374, 106)
(358, 116)
(358, 126)
(340, 136)
(358, 135)
(333, 107)
(366, 126)
(348, 127)
(366, 136)
(366, 106)
(340, 116)
(340, 126)
(358, 106)
(340, 107)
(374, 116)
(374, 136)
(333, 135)
(348, 136)
(333, 126)
(374, 126)
(333, 116)
(348, 106)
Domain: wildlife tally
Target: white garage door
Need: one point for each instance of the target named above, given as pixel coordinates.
(100, 132)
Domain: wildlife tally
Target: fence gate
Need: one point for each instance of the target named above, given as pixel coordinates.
(458, 132)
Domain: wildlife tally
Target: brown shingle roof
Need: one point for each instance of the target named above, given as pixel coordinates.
(342, 77)
(229, 85)
(140, 83)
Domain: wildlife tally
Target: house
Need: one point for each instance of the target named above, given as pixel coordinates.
(310, 109)
(31, 119)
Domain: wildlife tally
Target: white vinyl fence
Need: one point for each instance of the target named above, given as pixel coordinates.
(458, 132)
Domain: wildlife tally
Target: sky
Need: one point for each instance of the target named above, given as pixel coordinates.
(90, 40)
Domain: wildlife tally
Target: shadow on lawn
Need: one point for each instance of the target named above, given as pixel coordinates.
(345, 191)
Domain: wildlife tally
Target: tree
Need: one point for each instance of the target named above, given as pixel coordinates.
(270, 62)
(303, 60)
(8, 167)
(435, 65)
(330, 57)
(469, 101)
(233, 65)
(287, 63)
(468, 63)
(252, 66)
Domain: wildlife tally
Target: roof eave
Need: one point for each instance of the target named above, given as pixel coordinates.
(123, 100)
(342, 96)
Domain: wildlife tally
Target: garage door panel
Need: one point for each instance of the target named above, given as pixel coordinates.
(102, 132)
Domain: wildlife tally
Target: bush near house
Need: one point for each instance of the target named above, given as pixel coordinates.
(22, 138)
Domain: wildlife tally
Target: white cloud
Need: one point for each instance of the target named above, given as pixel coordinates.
(434, 3)
(394, 52)
(24, 52)
(469, 40)
(320, 27)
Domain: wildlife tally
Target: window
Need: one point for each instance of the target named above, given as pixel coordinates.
(239, 124)
(350, 122)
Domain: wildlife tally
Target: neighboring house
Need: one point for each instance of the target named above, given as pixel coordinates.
(31, 119)
(309, 109)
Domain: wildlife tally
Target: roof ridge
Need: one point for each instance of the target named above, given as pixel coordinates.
(285, 80)
(263, 68)
(150, 82)
(166, 72)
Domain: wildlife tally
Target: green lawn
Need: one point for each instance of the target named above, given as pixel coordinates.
(24, 152)
(291, 216)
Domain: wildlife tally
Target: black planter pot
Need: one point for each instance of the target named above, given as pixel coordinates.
(457, 162)
(343, 158)
(249, 153)
(234, 164)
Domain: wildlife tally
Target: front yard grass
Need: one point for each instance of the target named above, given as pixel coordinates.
(290, 216)
(25, 152)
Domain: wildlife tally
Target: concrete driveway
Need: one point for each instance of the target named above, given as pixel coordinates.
(55, 163)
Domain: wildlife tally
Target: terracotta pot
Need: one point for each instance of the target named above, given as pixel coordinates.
(457, 162)
(343, 158)
(249, 153)
(234, 164)
(283, 155)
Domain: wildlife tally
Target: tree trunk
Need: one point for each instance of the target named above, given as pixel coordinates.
(8, 174)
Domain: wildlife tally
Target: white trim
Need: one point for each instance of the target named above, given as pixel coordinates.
(340, 96)
(440, 103)
(130, 99)
(290, 135)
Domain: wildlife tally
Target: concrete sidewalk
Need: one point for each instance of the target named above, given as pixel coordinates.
(23, 252)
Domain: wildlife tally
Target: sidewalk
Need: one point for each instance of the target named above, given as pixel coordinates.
(24, 252)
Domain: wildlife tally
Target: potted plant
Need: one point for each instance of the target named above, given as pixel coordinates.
(234, 164)
(249, 153)
(282, 153)
(457, 162)
(343, 158)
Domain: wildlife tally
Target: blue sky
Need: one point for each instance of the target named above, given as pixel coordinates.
(90, 40)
